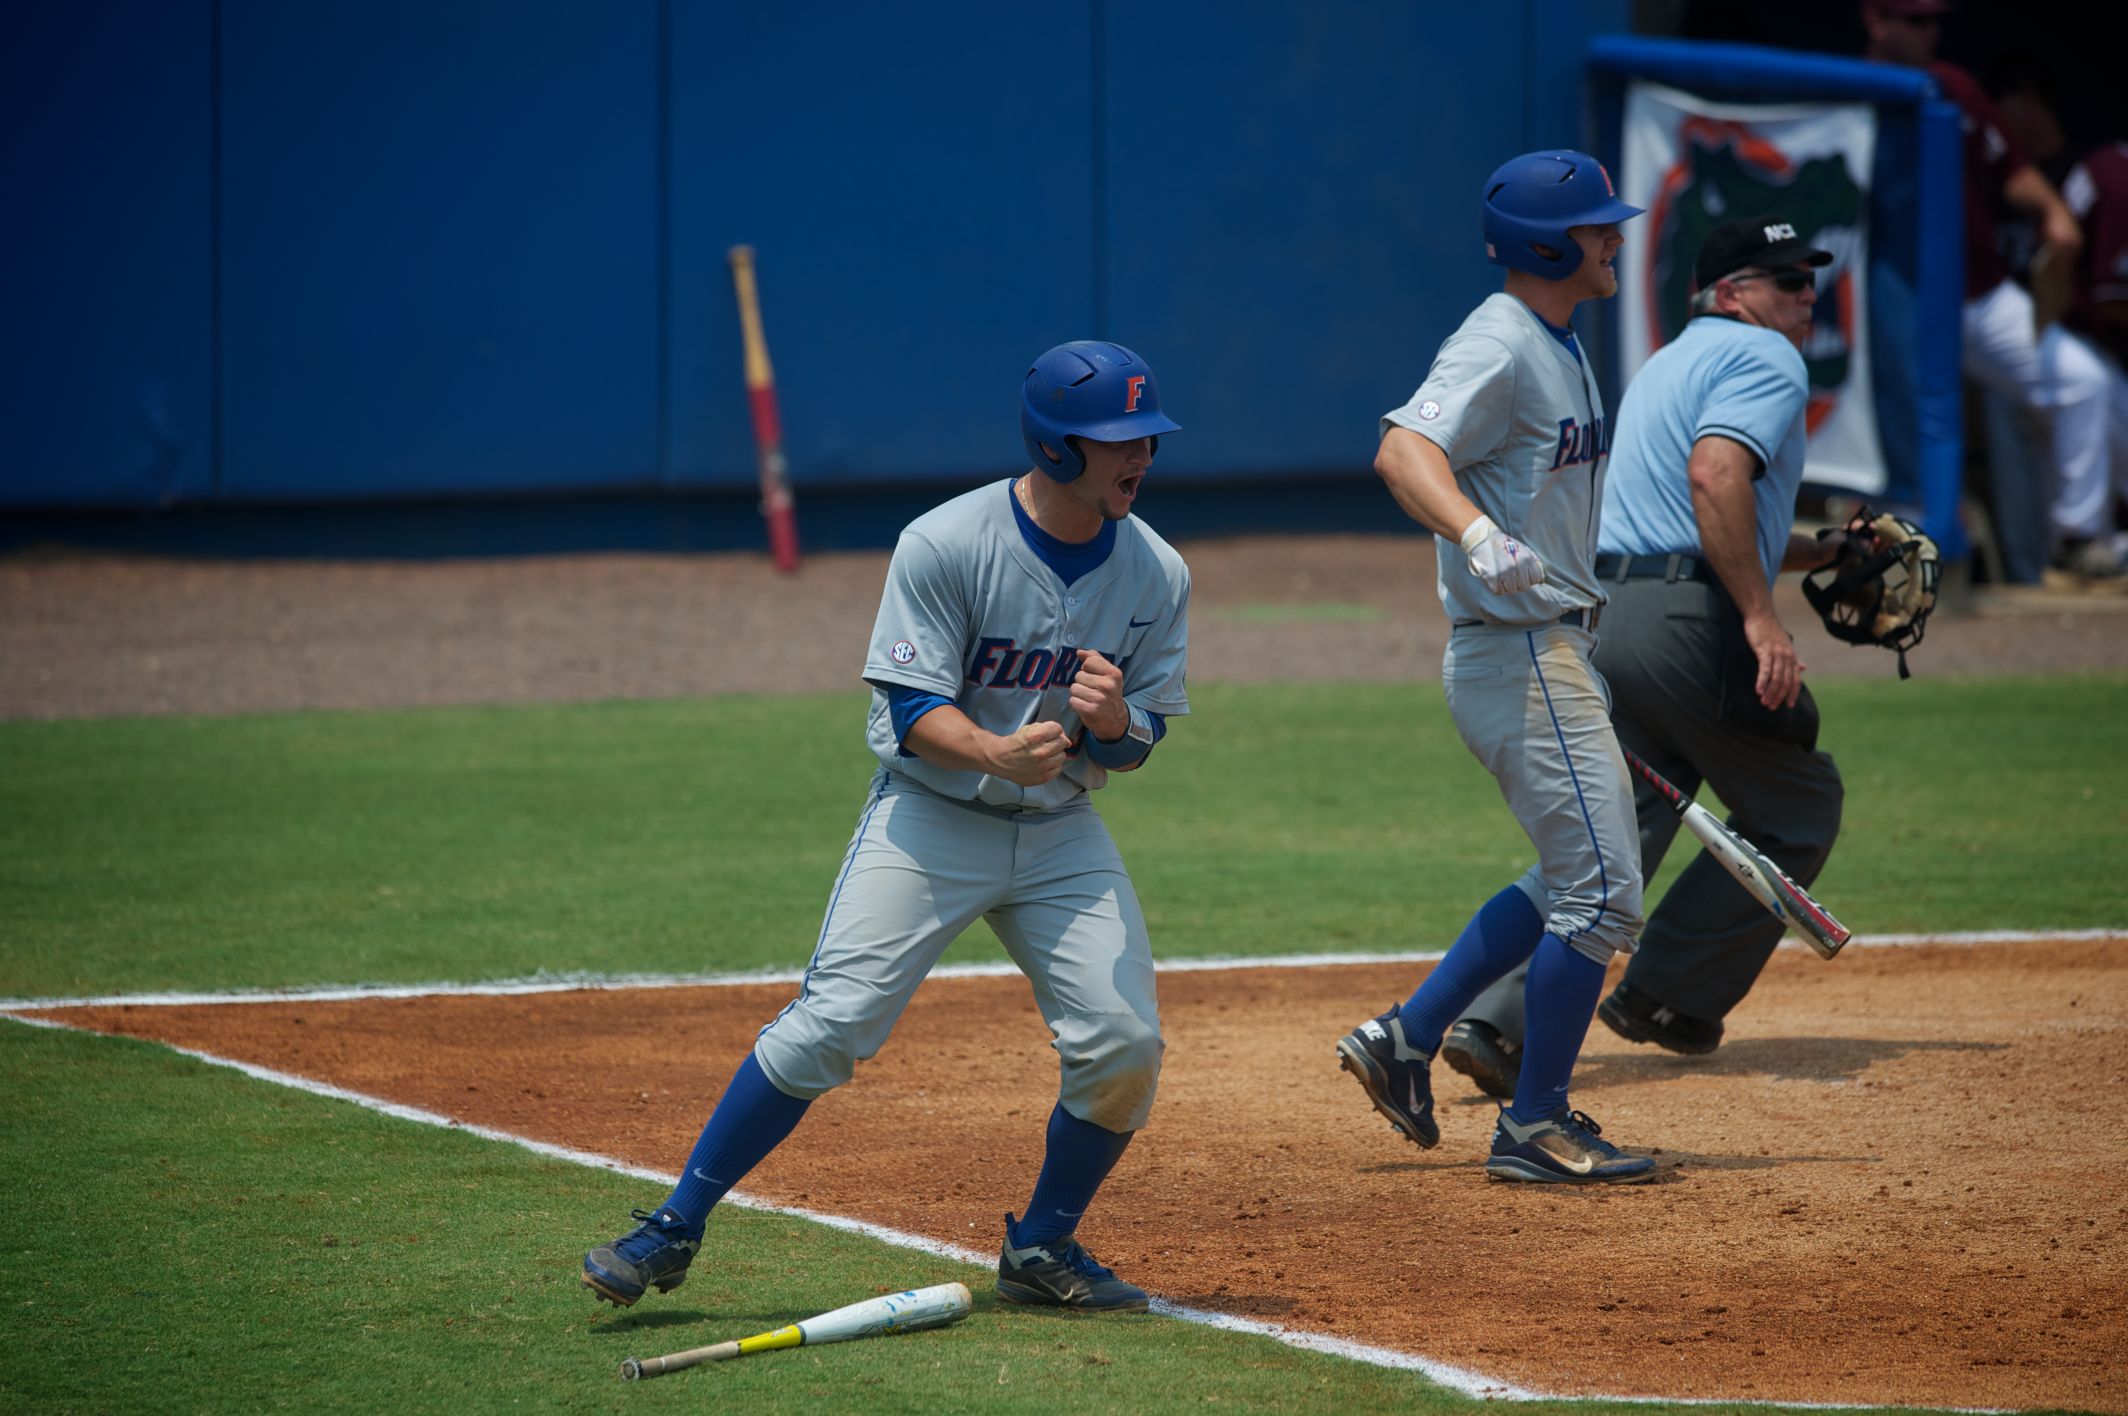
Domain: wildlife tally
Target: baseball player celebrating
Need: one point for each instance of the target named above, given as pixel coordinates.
(1501, 454)
(1031, 640)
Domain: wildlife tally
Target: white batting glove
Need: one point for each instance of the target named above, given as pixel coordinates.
(1505, 565)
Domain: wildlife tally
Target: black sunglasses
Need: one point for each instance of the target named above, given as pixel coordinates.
(1788, 282)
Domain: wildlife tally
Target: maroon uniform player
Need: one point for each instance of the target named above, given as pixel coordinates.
(2058, 377)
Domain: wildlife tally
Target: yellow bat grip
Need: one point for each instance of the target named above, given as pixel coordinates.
(771, 1341)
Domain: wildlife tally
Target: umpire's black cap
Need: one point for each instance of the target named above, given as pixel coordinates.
(1762, 241)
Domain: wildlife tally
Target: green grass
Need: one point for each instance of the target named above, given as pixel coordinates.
(295, 849)
(185, 1239)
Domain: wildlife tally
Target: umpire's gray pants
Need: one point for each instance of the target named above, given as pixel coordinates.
(1706, 941)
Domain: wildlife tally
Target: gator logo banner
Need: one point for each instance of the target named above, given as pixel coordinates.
(1694, 164)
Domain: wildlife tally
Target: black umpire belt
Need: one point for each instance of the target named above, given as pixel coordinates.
(1671, 567)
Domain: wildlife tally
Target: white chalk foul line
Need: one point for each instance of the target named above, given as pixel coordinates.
(575, 982)
(1459, 1379)
(1469, 1383)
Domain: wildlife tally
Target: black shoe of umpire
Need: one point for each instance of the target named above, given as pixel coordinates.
(1636, 1017)
(1479, 1052)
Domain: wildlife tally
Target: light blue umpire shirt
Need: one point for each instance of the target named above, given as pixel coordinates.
(1719, 376)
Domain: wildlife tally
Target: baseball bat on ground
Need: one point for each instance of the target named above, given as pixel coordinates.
(1769, 885)
(909, 1311)
(768, 427)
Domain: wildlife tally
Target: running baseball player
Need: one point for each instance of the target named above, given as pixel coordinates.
(1031, 640)
(1707, 686)
(1501, 454)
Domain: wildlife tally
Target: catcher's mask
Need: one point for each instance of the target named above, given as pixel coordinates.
(1881, 588)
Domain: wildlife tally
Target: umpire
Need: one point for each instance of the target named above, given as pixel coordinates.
(1698, 518)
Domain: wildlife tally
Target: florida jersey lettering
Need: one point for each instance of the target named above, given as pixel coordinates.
(1579, 443)
(1001, 663)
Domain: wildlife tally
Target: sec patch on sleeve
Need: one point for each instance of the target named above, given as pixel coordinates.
(1429, 410)
(904, 652)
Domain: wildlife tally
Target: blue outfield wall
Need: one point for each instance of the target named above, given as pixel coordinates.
(389, 251)
(107, 301)
(439, 248)
(919, 193)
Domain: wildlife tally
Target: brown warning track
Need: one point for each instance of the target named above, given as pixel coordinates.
(1900, 1180)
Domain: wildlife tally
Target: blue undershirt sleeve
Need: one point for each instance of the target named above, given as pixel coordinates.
(906, 705)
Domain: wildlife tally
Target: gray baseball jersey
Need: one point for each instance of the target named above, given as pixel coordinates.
(1522, 424)
(972, 614)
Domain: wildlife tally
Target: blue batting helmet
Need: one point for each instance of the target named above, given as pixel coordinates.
(1088, 388)
(1531, 200)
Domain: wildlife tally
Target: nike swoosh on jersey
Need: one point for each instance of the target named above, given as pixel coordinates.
(1140, 624)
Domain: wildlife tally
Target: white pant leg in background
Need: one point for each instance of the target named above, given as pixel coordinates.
(2116, 423)
(2060, 376)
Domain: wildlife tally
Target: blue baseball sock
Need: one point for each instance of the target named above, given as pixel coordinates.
(1078, 1158)
(751, 1119)
(1559, 1000)
(1498, 938)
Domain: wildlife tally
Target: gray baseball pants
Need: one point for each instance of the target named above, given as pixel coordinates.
(1050, 884)
(1674, 694)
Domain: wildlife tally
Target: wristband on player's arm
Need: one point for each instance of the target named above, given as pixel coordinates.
(1129, 750)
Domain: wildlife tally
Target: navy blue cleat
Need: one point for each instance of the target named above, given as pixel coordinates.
(654, 1254)
(1394, 1074)
(1061, 1274)
(1567, 1149)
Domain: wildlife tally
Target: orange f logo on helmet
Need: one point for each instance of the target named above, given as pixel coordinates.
(1136, 384)
(1608, 189)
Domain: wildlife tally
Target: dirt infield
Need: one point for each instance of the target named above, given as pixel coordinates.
(1899, 1181)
